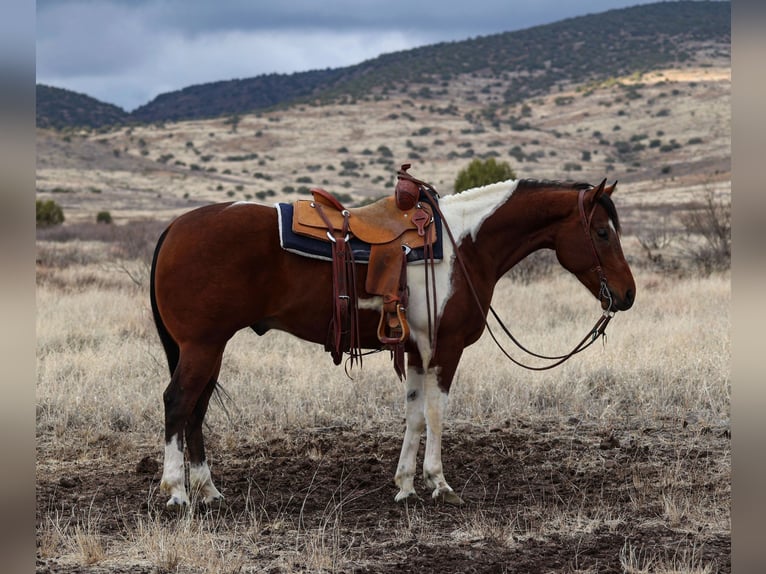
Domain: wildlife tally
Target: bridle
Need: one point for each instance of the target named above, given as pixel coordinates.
(597, 331)
(604, 292)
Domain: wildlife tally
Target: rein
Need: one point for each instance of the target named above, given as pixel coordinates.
(599, 328)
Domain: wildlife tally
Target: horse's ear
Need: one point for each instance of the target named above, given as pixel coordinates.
(609, 190)
(598, 191)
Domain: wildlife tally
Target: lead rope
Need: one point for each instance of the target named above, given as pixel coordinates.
(598, 329)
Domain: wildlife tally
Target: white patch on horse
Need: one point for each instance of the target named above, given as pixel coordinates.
(173, 473)
(414, 404)
(436, 406)
(464, 213)
(201, 483)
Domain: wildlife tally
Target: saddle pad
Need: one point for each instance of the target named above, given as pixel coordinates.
(317, 249)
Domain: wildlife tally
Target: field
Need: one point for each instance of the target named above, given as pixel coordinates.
(618, 461)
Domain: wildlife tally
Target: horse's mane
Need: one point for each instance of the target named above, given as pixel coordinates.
(605, 201)
(538, 183)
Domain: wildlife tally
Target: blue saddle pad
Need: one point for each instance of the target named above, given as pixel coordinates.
(310, 247)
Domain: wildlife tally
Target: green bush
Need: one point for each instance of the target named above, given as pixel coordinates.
(483, 172)
(103, 217)
(48, 213)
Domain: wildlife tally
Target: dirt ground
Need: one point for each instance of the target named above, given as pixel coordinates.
(542, 496)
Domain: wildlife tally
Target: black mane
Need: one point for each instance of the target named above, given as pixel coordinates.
(604, 201)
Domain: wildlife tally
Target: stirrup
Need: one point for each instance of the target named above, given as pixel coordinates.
(393, 328)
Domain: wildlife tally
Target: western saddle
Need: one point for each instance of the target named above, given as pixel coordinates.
(392, 227)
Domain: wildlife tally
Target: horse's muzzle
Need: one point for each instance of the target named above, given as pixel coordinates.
(619, 303)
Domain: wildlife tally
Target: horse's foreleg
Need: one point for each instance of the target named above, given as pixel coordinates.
(200, 481)
(196, 367)
(416, 422)
(435, 408)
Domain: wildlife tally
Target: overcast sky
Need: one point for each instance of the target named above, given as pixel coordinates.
(126, 52)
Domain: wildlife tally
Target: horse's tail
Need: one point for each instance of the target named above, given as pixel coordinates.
(168, 343)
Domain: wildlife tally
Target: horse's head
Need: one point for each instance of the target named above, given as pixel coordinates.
(588, 245)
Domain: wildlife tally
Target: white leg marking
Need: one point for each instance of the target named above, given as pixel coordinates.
(433, 473)
(201, 483)
(414, 401)
(173, 474)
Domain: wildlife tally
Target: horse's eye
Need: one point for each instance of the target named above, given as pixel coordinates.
(602, 233)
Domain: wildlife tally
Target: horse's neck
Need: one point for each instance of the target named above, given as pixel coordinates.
(505, 226)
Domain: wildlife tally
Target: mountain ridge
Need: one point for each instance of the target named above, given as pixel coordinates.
(529, 62)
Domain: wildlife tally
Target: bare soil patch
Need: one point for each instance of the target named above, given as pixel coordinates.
(543, 496)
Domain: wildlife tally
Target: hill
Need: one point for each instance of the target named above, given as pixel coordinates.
(59, 108)
(528, 63)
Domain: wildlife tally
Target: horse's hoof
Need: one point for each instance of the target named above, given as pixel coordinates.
(448, 496)
(215, 500)
(177, 503)
(409, 495)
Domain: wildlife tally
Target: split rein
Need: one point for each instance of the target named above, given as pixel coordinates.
(597, 331)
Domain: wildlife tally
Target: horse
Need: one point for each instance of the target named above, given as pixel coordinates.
(220, 268)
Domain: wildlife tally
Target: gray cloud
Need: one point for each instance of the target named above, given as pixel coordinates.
(127, 52)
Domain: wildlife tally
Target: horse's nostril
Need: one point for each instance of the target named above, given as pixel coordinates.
(629, 297)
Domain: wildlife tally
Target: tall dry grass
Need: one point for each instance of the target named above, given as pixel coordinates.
(100, 363)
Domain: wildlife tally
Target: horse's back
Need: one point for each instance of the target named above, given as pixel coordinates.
(235, 217)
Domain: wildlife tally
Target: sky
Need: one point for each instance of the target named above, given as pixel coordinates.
(126, 52)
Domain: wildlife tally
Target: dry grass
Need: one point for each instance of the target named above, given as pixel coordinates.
(667, 357)
(685, 560)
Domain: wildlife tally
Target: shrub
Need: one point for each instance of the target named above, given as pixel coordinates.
(711, 223)
(48, 213)
(483, 172)
(385, 151)
(517, 153)
(103, 217)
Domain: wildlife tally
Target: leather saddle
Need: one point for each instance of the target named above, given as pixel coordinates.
(392, 226)
(379, 223)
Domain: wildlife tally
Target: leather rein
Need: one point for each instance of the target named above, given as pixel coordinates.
(597, 331)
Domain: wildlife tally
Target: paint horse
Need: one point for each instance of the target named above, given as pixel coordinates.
(220, 268)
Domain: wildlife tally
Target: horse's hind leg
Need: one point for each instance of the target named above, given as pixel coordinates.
(200, 481)
(196, 368)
